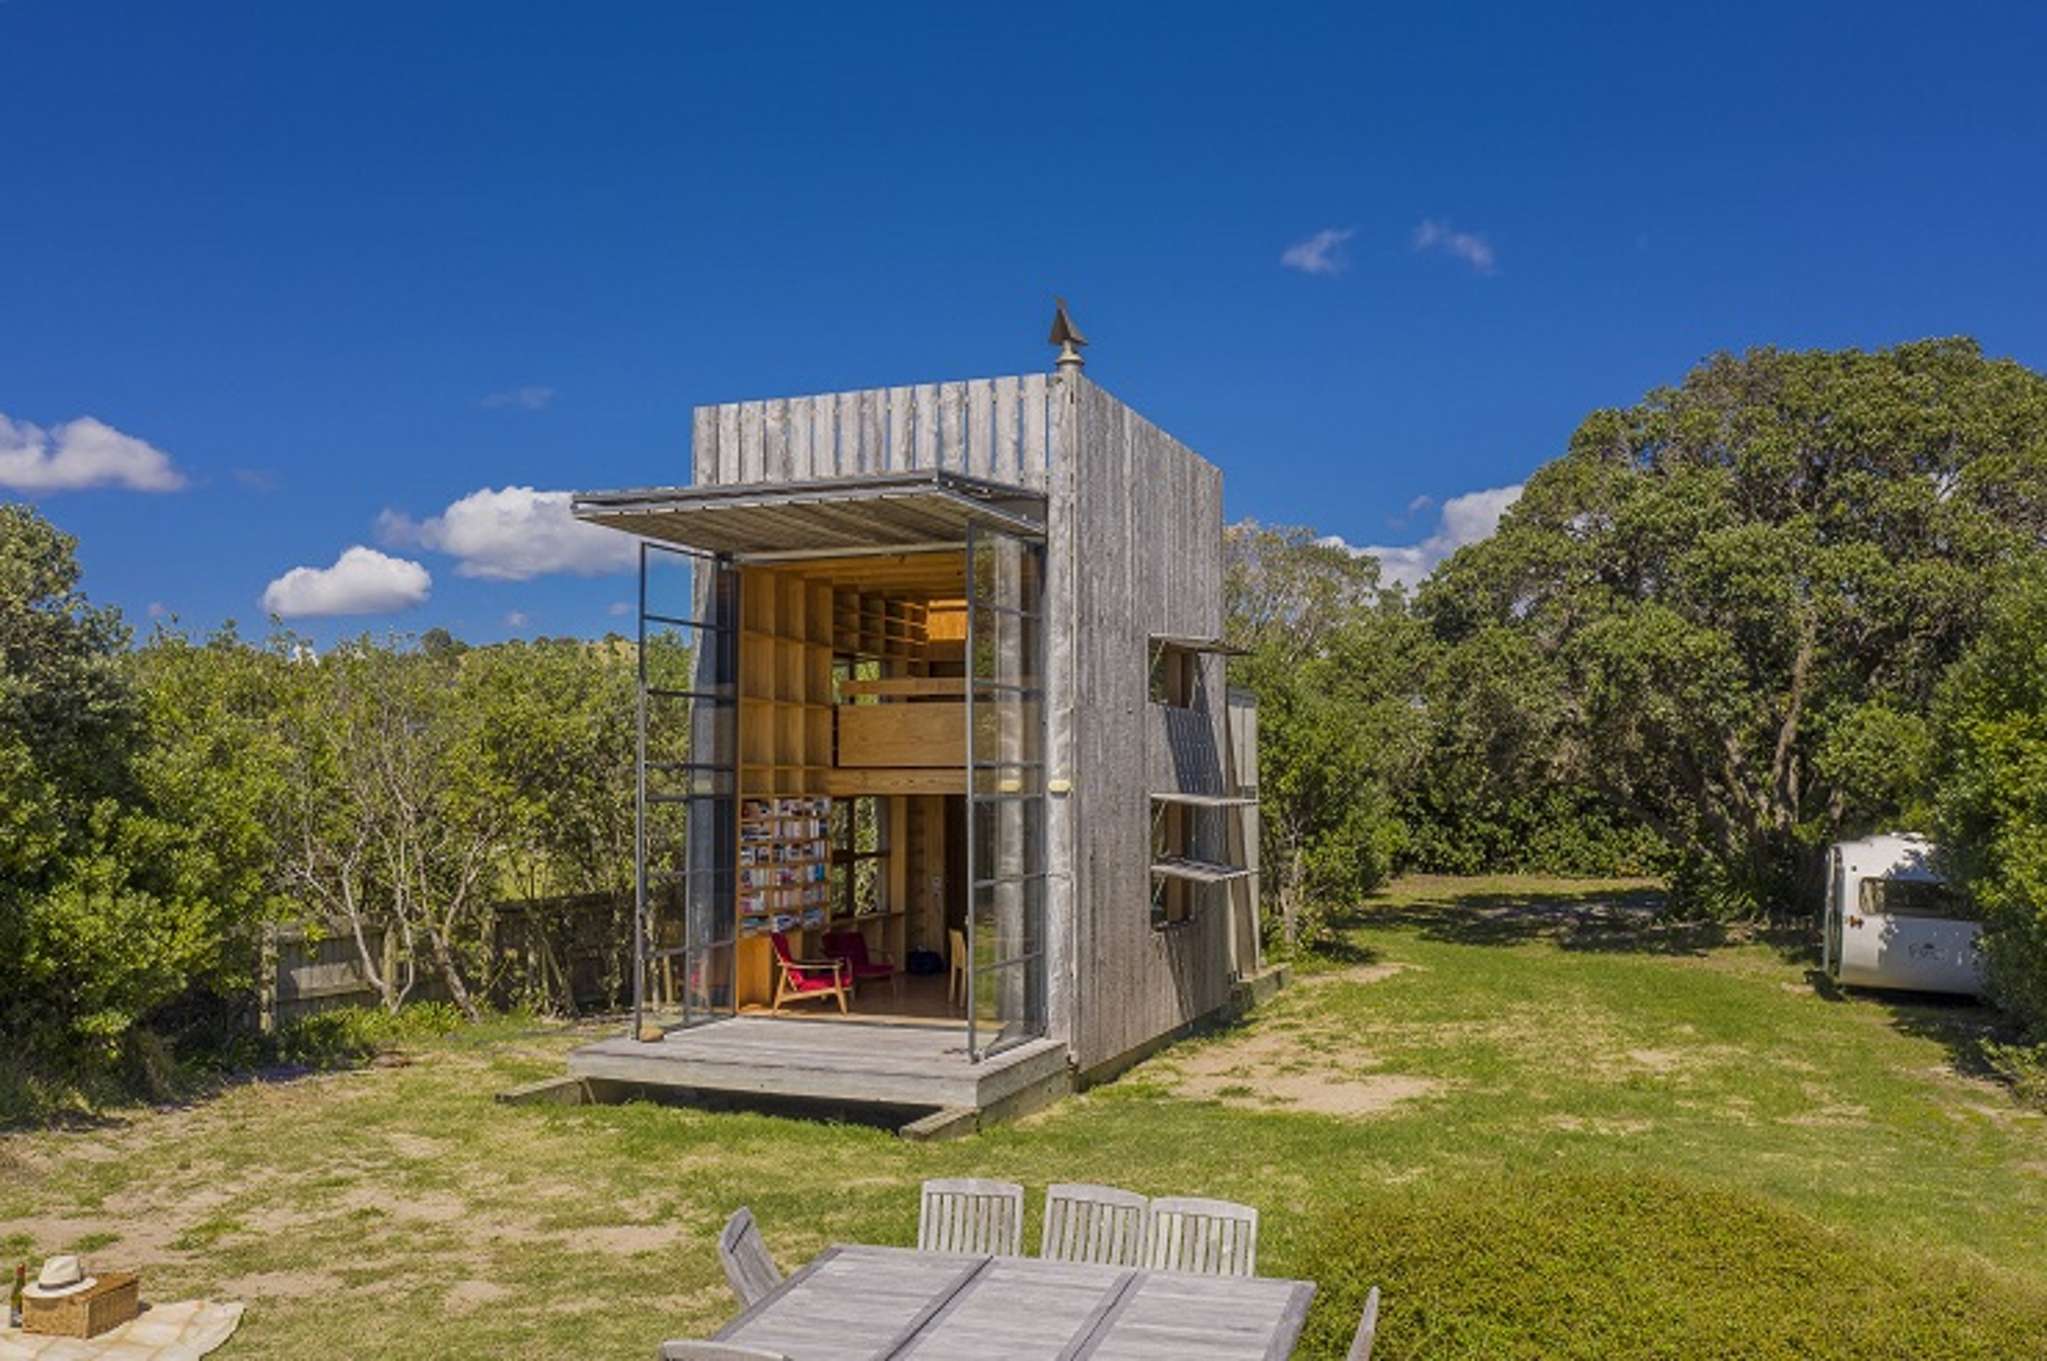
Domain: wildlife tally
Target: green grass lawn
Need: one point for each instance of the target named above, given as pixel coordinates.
(1546, 1126)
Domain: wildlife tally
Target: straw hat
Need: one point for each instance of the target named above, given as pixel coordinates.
(61, 1276)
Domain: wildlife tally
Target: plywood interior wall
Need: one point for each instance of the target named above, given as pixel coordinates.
(796, 621)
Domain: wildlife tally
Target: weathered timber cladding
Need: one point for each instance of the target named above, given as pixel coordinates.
(997, 428)
(1148, 540)
(1133, 549)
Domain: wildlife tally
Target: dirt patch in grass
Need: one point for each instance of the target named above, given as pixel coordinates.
(464, 1296)
(1361, 973)
(141, 1239)
(1659, 1060)
(1576, 1124)
(1264, 1069)
(1834, 1115)
(279, 1285)
(628, 1240)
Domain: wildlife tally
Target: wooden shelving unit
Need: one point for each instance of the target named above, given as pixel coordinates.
(792, 629)
(869, 624)
(782, 858)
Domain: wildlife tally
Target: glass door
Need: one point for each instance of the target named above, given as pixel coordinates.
(1005, 716)
(686, 793)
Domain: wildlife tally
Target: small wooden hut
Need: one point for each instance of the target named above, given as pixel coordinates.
(932, 676)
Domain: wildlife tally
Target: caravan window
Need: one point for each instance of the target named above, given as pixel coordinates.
(1913, 898)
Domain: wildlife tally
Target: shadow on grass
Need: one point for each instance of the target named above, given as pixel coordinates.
(1595, 919)
(1961, 1025)
(1967, 1028)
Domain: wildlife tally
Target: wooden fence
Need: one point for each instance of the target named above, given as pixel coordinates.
(533, 949)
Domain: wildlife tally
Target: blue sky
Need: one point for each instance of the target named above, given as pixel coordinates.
(282, 281)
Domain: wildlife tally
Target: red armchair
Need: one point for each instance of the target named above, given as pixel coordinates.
(796, 979)
(851, 947)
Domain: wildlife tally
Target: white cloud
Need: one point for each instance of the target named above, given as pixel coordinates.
(513, 534)
(1321, 253)
(1470, 247)
(516, 619)
(159, 610)
(531, 398)
(1465, 519)
(361, 581)
(619, 609)
(80, 454)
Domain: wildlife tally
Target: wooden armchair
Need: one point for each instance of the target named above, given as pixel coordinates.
(801, 978)
(851, 947)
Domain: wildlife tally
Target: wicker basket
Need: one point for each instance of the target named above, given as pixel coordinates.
(111, 1301)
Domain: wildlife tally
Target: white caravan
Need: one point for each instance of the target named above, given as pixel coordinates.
(1892, 921)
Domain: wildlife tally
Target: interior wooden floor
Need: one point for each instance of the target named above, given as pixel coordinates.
(920, 1001)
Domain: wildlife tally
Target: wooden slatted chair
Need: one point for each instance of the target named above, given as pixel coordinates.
(1211, 1237)
(1099, 1224)
(1368, 1327)
(687, 1349)
(797, 978)
(956, 968)
(748, 1267)
(968, 1215)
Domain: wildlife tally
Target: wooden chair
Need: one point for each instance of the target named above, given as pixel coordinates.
(801, 978)
(1099, 1224)
(1368, 1325)
(967, 1215)
(861, 966)
(1211, 1237)
(749, 1269)
(687, 1349)
(956, 968)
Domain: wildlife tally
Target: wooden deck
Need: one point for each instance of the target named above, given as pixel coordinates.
(852, 1062)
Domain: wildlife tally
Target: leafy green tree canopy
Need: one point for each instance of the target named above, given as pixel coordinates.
(1738, 595)
(1992, 801)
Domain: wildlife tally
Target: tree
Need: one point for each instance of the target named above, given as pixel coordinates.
(116, 897)
(397, 815)
(1492, 792)
(212, 766)
(1740, 593)
(1337, 665)
(558, 730)
(1992, 790)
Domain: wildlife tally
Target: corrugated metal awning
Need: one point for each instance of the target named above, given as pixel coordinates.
(877, 512)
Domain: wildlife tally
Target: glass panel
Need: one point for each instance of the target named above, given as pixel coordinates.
(708, 987)
(1913, 898)
(1007, 731)
(1009, 920)
(1009, 837)
(689, 672)
(1009, 1002)
(1003, 570)
(1005, 789)
(1005, 648)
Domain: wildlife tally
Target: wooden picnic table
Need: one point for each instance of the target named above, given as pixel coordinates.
(862, 1303)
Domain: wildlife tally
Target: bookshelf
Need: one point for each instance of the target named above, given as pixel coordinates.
(792, 629)
(782, 864)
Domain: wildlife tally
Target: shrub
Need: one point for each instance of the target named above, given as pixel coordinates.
(1638, 1265)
